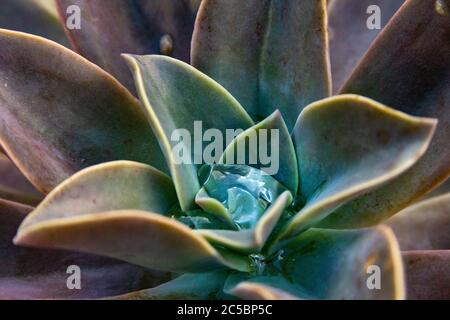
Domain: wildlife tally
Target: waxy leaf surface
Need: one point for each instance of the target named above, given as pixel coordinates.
(266, 146)
(269, 54)
(427, 274)
(31, 273)
(411, 73)
(353, 25)
(203, 286)
(424, 226)
(336, 265)
(176, 97)
(32, 16)
(61, 114)
(348, 145)
(110, 28)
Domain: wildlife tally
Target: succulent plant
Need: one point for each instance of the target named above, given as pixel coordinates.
(222, 230)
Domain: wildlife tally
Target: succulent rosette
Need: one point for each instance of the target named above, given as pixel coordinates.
(149, 227)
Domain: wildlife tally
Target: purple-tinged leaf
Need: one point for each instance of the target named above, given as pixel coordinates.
(110, 28)
(61, 113)
(407, 68)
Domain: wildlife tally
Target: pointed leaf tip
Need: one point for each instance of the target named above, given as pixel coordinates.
(158, 242)
(276, 58)
(268, 137)
(251, 240)
(346, 146)
(63, 116)
(411, 74)
(178, 97)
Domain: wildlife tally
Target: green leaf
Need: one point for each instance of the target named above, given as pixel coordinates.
(176, 96)
(263, 140)
(337, 265)
(225, 177)
(251, 240)
(158, 242)
(13, 185)
(110, 28)
(204, 286)
(411, 74)
(214, 207)
(350, 36)
(199, 219)
(48, 6)
(427, 274)
(27, 273)
(237, 194)
(256, 291)
(424, 226)
(346, 146)
(277, 55)
(96, 210)
(118, 185)
(32, 16)
(61, 114)
(263, 288)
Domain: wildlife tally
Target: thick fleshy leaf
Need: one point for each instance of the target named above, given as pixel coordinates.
(411, 74)
(266, 146)
(263, 288)
(112, 186)
(251, 240)
(14, 186)
(332, 264)
(438, 191)
(32, 16)
(238, 194)
(347, 146)
(17, 211)
(42, 274)
(182, 103)
(157, 242)
(427, 274)
(97, 210)
(256, 291)
(204, 286)
(214, 207)
(352, 27)
(424, 226)
(199, 219)
(110, 28)
(276, 58)
(62, 113)
(48, 6)
(224, 178)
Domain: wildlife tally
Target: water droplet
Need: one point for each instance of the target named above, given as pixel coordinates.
(166, 45)
(265, 195)
(6, 85)
(258, 263)
(441, 8)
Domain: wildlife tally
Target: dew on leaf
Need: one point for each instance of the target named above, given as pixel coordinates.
(258, 263)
